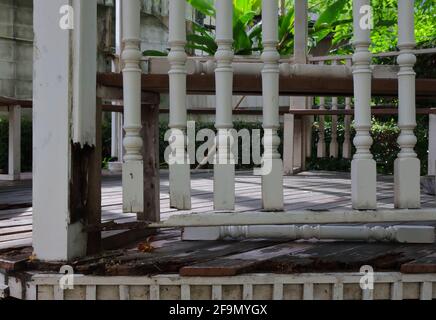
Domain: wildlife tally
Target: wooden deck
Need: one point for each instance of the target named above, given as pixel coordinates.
(167, 254)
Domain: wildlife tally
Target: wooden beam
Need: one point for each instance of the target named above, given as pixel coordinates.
(252, 85)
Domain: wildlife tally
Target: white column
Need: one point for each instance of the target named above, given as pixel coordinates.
(321, 151)
(363, 166)
(301, 127)
(133, 175)
(346, 147)
(334, 146)
(14, 166)
(407, 165)
(321, 148)
(179, 168)
(224, 168)
(272, 178)
(117, 117)
(64, 115)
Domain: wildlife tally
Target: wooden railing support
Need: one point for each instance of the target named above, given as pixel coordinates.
(224, 168)
(179, 168)
(272, 175)
(363, 166)
(407, 166)
(133, 200)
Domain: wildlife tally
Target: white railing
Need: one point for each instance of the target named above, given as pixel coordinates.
(363, 172)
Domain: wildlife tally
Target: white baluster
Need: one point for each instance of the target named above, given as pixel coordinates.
(346, 147)
(407, 165)
(321, 140)
(334, 146)
(363, 166)
(133, 175)
(224, 168)
(402, 234)
(179, 167)
(272, 178)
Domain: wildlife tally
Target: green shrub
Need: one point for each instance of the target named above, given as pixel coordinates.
(384, 132)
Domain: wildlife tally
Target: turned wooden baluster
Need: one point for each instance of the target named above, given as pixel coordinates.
(133, 197)
(272, 175)
(407, 165)
(179, 167)
(321, 141)
(346, 147)
(363, 166)
(334, 146)
(224, 168)
(321, 148)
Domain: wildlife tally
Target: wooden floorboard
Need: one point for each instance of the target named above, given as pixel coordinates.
(309, 190)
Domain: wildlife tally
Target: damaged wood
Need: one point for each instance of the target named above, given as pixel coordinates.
(150, 154)
(85, 185)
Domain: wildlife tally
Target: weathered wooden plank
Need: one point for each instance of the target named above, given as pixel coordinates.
(150, 153)
(426, 264)
(241, 262)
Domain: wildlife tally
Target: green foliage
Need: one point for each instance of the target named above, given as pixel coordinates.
(384, 132)
(331, 25)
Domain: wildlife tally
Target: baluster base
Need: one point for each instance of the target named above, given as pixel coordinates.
(180, 186)
(133, 186)
(224, 187)
(272, 185)
(407, 183)
(363, 184)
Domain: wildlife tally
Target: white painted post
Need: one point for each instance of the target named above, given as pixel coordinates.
(14, 167)
(334, 146)
(363, 166)
(432, 145)
(321, 151)
(64, 115)
(301, 127)
(289, 149)
(133, 195)
(224, 168)
(272, 178)
(321, 140)
(116, 117)
(179, 170)
(407, 165)
(346, 147)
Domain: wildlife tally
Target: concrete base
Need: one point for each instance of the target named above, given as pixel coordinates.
(428, 185)
(272, 186)
(115, 167)
(407, 183)
(364, 184)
